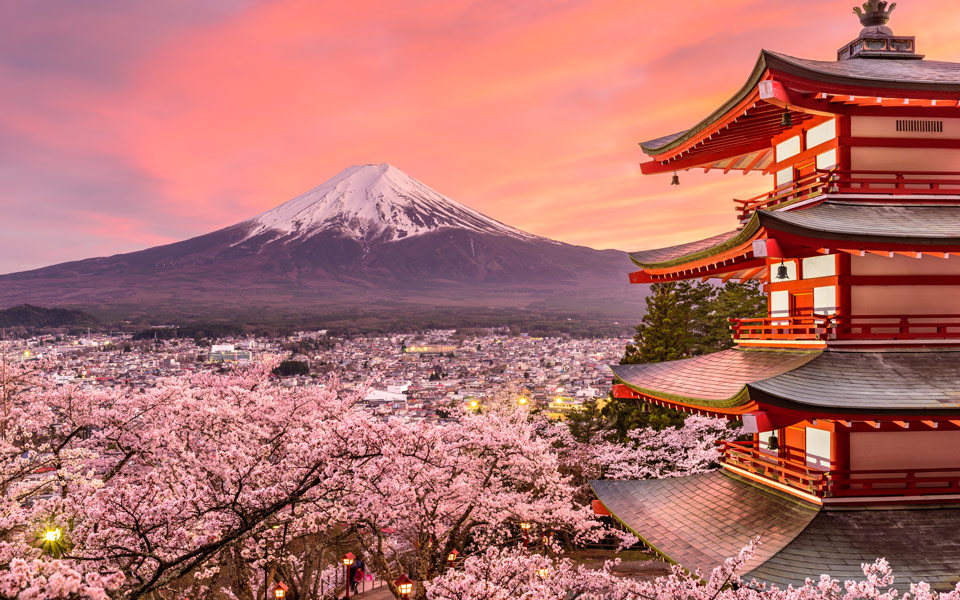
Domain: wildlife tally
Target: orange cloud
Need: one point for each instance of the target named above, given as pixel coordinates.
(530, 112)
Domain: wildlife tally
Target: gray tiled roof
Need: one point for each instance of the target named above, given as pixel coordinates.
(659, 255)
(933, 74)
(864, 221)
(921, 544)
(700, 520)
(927, 75)
(869, 381)
(718, 377)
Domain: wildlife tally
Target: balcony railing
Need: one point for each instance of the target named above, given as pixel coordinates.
(827, 328)
(836, 181)
(872, 483)
(783, 329)
(893, 327)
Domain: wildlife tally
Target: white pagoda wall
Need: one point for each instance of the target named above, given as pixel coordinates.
(904, 299)
(902, 159)
(904, 449)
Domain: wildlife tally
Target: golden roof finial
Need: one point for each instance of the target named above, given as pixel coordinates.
(874, 12)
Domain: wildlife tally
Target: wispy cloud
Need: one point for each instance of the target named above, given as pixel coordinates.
(123, 126)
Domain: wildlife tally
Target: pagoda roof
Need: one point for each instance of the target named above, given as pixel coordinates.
(716, 380)
(886, 77)
(839, 382)
(890, 224)
(700, 520)
(862, 221)
(921, 380)
(663, 256)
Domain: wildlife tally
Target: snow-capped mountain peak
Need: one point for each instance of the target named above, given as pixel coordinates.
(374, 201)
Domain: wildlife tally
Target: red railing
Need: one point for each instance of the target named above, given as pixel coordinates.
(808, 186)
(836, 181)
(840, 483)
(893, 327)
(748, 456)
(784, 328)
(893, 182)
(843, 327)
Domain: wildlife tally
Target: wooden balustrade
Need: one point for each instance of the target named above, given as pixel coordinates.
(870, 483)
(847, 327)
(837, 181)
(748, 456)
(894, 327)
(782, 328)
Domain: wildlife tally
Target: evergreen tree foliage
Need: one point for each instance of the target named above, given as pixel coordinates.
(683, 319)
(288, 368)
(687, 319)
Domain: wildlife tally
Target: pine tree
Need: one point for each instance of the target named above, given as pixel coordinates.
(683, 319)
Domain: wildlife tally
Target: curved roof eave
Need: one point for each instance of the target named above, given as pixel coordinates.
(744, 235)
(716, 380)
(674, 140)
(868, 223)
(933, 76)
(739, 399)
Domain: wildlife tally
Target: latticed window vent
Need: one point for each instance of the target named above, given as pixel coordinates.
(918, 126)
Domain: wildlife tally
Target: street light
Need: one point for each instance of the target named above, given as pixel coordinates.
(526, 528)
(452, 557)
(347, 561)
(542, 573)
(51, 542)
(404, 586)
(279, 593)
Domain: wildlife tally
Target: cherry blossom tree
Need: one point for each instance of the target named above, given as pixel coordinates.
(171, 484)
(501, 574)
(672, 452)
(440, 487)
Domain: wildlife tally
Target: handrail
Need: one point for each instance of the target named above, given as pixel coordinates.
(839, 483)
(780, 328)
(847, 327)
(853, 181)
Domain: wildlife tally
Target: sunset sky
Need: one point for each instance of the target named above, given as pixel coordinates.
(128, 124)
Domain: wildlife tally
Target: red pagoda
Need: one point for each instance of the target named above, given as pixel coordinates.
(851, 384)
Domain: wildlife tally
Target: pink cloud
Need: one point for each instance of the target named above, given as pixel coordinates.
(530, 112)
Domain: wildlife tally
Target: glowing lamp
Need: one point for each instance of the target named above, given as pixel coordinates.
(452, 557)
(279, 593)
(348, 558)
(525, 526)
(542, 573)
(404, 585)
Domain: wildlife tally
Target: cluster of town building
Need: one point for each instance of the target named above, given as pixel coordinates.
(427, 375)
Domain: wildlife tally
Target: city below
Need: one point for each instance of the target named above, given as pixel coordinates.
(427, 375)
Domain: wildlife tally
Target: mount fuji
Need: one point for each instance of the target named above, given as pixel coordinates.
(370, 236)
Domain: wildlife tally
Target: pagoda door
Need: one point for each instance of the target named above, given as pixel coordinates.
(801, 304)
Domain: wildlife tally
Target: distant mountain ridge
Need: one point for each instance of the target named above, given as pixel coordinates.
(370, 236)
(26, 315)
